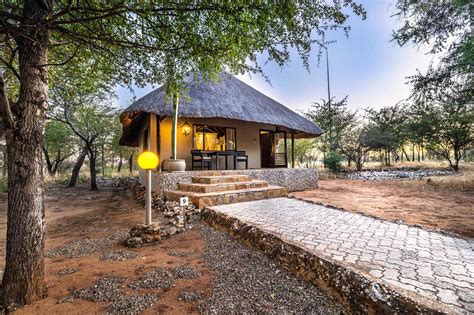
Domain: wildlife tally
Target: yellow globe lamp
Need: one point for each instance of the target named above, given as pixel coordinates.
(147, 160)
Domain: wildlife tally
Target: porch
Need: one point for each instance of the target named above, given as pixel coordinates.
(292, 179)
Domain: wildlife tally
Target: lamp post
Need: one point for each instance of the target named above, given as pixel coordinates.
(148, 161)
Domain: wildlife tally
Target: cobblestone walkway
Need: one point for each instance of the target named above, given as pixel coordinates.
(431, 264)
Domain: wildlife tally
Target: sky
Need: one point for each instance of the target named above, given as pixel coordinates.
(366, 66)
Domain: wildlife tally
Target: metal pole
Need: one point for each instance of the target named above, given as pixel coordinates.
(148, 197)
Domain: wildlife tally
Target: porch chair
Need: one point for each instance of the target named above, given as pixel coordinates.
(201, 158)
(243, 157)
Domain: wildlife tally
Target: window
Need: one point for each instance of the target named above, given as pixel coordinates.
(212, 138)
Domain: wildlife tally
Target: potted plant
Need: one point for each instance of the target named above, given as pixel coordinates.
(174, 164)
(173, 87)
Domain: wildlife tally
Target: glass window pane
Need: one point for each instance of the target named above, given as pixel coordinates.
(198, 137)
(230, 139)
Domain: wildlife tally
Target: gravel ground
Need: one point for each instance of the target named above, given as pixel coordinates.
(132, 305)
(189, 296)
(247, 281)
(176, 253)
(118, 255)
(104, 289)
(185, 272)
(86, 247)
(156, 278)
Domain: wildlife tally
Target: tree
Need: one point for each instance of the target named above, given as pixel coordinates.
(127, 41)
(384, 132)
(451, 118)
(58, 145)
(355, 145)
(304, 152)
(446, 26)
(334, 118)
(89, 117)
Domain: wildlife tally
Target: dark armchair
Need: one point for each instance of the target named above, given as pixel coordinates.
(243, 157)
(201, 159)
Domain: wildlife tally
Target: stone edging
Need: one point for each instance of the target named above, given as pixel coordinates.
(357, 293)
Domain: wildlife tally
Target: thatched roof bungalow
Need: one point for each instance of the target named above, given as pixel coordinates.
(224, 116)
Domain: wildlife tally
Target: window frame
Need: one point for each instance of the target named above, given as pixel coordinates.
(204, 137)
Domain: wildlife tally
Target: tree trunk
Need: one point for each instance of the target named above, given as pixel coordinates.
(174, 126)
(92, 169)
(5, 162)
(103, 160)
(119, 167)
(130, 162)
(413, 153)
(77, 167)
(49, 165)
(23, 278)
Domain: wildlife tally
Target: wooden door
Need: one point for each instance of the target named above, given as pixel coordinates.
(266, 146)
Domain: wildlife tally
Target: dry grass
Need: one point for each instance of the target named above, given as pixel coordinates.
(464, 182)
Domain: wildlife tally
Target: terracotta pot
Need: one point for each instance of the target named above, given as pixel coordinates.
(174, 165)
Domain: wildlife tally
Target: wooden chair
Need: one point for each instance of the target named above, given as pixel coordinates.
(199, 157)
(243, 157)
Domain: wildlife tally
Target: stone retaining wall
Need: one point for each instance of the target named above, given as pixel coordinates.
(358, 294)
(293, 179)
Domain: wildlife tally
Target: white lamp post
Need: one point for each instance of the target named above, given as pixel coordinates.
(148, 161)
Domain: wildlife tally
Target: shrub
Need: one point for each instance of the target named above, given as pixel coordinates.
(333, 162)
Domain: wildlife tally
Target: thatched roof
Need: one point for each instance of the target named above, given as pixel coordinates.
(227, 98)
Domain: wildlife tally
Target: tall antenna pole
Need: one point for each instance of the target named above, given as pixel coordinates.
(327, 70)
(329, 132)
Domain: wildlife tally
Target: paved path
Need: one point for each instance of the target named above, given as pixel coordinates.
(431, 264)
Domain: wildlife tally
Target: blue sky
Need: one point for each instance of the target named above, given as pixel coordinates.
(367, 67)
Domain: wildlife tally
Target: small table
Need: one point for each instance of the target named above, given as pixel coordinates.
(226, 154)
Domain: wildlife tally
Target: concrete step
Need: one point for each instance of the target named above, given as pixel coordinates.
(203, 200)
(220, 179)
(208, 188)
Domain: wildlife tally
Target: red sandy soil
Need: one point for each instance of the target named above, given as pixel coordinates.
(451, 211)
(76, 213)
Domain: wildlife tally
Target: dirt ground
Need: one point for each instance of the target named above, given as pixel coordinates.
(78, 214)
(438, 209)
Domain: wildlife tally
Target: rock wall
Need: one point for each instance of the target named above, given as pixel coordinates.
(293, 179)
(358, 294)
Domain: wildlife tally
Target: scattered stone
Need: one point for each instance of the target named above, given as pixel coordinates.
(132, 305)
(176, 253)
(118, 255)
(66, 299)
(86, 247)
(185, 272)
(246, 281)
(68, 271)
(189, 296)
(156, 278)
(105, 289)
(395, 174)
(143, 234)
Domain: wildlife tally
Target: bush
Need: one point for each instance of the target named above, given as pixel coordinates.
(3, 184)
(333, 162)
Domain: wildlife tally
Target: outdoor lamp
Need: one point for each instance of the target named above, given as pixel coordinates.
(186, 129)
(148, 161)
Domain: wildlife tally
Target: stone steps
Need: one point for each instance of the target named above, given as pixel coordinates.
(211, 188)
(203, 200)
(220, 179)
(208, 188)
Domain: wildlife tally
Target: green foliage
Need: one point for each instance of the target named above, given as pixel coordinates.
(333, 161)
(334, 118)
(3, 184)
(445, 26)
(304, 152)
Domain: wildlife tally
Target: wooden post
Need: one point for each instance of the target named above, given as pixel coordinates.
(292, 150)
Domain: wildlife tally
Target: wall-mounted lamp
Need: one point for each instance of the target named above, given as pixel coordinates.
(186, 129)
